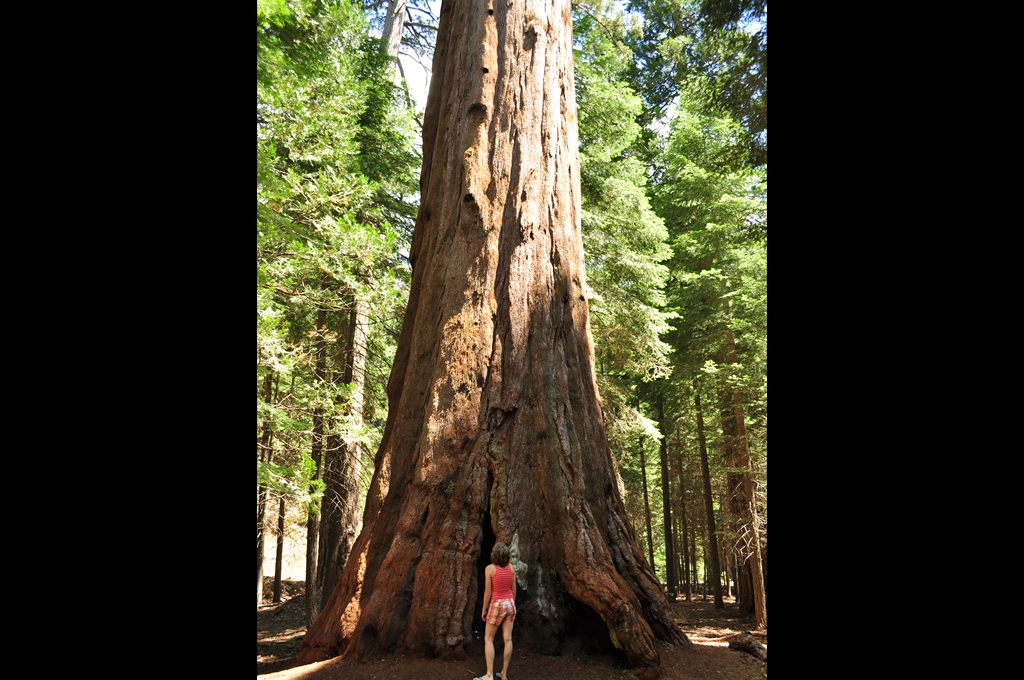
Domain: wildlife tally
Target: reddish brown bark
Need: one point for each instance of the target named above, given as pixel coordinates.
(495, 423)
(742, 489)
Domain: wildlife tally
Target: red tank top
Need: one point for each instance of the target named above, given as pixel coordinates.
(501, 582)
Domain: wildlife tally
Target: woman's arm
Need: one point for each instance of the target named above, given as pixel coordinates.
(488, 573)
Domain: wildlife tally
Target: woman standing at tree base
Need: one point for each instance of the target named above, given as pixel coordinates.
(499, 608)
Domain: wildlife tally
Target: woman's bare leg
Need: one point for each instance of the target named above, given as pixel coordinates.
(489, 649)
(506, 634)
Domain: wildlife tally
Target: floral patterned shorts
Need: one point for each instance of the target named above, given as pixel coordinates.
(501, 610)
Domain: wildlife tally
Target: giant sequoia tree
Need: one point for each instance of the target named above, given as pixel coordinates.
(495, 430)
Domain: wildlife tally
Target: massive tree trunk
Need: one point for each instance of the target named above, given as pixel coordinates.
(494, 429)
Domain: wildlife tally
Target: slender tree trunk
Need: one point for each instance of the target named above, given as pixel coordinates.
(734, 573)
(736, 504)
(709, 504)
(693, 553)
(666, 501)
(647, 504)
(704, 563)
(723, 561)
(494, 427)
(342, 460)
(263, 453)
(685, 568)
(751, 534)
(339, 517)
(261, 514)
(678, 538)
(683, 542)
(394, 22)
(280, 551)
(313, 585)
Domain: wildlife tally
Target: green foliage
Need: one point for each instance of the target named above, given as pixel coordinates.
(713, 53)
(624, 240)
(295, 482)
(335, 170)
(716, 213)
(718, 218)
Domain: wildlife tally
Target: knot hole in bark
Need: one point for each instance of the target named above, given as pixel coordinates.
(497, 416)
(477, 107)
(529, 38)
(448, 488)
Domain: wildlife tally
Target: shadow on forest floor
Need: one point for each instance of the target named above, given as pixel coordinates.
(280, 627)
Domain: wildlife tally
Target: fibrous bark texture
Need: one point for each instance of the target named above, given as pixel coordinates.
(494, 429)
(339, 512)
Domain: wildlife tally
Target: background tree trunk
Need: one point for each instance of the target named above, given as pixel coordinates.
(339, 518)
(313, 586)
(736, 503)
(711, 552)
(666, 501)
(685, 566)
(751, 545)
(394, 22)
(494, 429)
(263, 453)
(647, 503)
(693, 558)
(280, 551)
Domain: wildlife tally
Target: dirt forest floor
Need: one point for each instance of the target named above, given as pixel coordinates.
(280, 627)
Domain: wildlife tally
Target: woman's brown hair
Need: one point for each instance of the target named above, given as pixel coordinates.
(500, 555)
